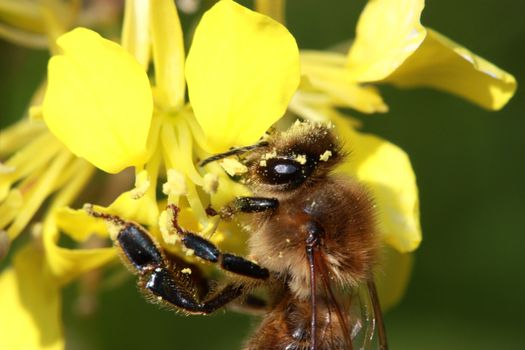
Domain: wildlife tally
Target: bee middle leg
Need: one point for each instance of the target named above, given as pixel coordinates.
(206, 250)
(245, 205)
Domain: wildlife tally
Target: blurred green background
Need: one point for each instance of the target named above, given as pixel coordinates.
(468, 285)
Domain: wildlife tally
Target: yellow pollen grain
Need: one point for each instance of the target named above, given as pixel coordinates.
(301, 159)
(325, 156)
(189, 252)
(165, 228)
(262, 162)
(186, 270)
(233, 166)
(176, 184)
(270, 155)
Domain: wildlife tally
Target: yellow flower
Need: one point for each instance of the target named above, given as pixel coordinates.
(37, 23)
(241, 72)
(392, 46)
(100, 105)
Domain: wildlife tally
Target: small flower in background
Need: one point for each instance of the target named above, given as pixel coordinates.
(102, 110)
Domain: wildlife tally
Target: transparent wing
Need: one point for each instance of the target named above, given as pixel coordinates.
(353, 318)
(367, 329)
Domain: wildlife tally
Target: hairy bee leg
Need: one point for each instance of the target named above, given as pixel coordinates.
(254, 204)
(245, 205)
(161, 277)
(167, 288)
(206, 250)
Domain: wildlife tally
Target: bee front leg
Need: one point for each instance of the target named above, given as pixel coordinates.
(161, 278)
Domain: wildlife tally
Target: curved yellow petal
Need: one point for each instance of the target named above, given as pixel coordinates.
(67, 264)
(326, 72)
(78, 224)
(388, 32)
(30, 303)
(98, 101)
(442, 64)
(242, 70)
(386, 170)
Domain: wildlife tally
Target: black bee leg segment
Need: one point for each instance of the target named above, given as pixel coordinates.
(247, 205)
(162, 284)
(255, 204)
(206, 250)
(139, 248)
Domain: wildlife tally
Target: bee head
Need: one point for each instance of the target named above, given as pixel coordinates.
(301, 155)
(286, 160)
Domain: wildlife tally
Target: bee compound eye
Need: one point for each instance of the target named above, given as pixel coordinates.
(284, 171)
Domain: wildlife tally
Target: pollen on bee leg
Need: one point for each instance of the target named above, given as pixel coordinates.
(176, 184)
(165, 228)
(4, 244)
(142, 184)
(186, 270)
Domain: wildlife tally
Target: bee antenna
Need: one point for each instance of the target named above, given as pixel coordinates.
(232, 152)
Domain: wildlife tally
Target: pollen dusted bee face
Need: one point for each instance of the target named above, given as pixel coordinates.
(301, 155)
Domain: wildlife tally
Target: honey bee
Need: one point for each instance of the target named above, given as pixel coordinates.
(313, 247)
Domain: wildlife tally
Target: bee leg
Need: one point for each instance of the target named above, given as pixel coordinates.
(166, 286)
(164, 278)
(245, 205)
(206, 250)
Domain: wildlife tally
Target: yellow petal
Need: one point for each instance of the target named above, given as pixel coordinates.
(135, 30)
(326, 72)
(386, 170)
(388, 32)
(442, 64)
(67, 264)
(242, 71)
(98, 101)
(30, 303)
(143, 209)
(168, 53)
(78, 224)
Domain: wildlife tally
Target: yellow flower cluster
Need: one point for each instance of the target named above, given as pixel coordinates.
(244, 72)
